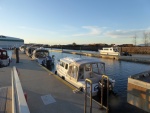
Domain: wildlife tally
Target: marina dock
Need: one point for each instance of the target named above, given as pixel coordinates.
(46, 92)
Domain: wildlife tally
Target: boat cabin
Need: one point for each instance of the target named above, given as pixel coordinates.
(110, 51)
(76, 70)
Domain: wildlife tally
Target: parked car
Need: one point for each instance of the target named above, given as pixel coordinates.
(4, 58)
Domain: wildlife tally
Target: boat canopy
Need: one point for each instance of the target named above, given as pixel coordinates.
(41, 53)
(86, 61)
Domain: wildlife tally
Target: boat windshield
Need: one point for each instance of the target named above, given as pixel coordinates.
(116, 50)
(98, 68)
(41, 54)
(85, 70)
(73, 72)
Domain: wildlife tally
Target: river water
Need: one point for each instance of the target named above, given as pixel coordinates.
(118, 70)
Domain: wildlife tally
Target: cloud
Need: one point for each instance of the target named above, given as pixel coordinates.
(37, 30)
(93, 30)
(125, 33)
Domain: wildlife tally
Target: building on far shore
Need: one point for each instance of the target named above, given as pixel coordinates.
(10, 42)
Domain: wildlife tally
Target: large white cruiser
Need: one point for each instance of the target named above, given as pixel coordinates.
(76, 70)
(110, 51)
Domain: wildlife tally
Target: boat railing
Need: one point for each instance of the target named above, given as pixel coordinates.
(85, 101)
(102, 93)
(19, 104)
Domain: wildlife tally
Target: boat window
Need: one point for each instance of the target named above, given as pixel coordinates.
(66, 67)
(110, 49)
(105, 49)
(115, 50)
(87, 67)
(101, 68)
(70, 69)
(62, 64)
(95, 68)
(73, 71)
(81, 73)
(41, 54)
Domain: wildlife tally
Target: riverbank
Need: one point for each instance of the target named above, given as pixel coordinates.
(131, 50)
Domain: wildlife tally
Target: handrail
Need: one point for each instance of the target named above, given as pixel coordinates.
(85, 101)
(19, 104)
(106, 107)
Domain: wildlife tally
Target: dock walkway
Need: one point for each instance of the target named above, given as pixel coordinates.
(46, 93)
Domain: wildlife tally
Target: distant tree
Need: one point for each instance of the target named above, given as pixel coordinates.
(145, 38)
(74, 44)
(135, 40)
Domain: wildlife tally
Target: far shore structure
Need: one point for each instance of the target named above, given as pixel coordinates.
(10, 42)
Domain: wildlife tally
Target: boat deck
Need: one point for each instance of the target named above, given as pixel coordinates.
(46, 92)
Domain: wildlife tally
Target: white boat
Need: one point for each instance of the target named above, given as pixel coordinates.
(43, 57)
(22, 48)
(4, 58)
(110, 51)
(76, 70)
(29, 50)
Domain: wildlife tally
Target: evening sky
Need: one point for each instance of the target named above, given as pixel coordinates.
(79, 21)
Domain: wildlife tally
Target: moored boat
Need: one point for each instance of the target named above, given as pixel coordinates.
(76, 70)
(43, 57)
(29, 51)
(22, 48)
(110, 51)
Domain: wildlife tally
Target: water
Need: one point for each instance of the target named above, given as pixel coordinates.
(118, 70)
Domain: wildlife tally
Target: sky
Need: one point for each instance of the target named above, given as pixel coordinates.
(80, 21)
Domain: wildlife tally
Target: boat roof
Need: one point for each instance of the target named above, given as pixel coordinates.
(80, 61)
(40, 50)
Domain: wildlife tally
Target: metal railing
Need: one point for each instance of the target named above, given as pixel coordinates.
(85, 101)
(19, 104)
(102, 85)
